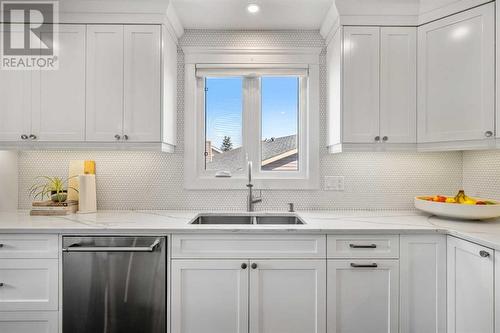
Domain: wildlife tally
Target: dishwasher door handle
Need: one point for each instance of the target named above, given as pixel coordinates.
(77, 248)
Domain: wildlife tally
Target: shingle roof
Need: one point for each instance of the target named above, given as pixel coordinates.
(233, 160)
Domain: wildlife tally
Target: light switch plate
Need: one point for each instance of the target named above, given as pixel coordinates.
(334, 183)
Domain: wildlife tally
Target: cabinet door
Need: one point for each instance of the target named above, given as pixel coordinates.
(423, 283)
(498, 70)
(456, 80)
(363, 296)
(398, 84)
(142, 104)
(59, 108)
(209, 296)
(361, 84)
(288, 296)
(104, 82)
(334, 84)
(15, 97)
(470, 287)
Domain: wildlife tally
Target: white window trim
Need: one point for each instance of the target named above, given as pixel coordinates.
(257, 59)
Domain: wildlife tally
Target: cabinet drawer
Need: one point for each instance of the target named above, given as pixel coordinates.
(28, 285)
(248, 246)
(363, 246)
(28, 246)
(28, 322)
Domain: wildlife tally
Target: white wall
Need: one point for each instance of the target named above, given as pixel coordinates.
(8, 181)
(145, 180)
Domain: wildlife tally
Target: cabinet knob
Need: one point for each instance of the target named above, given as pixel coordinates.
(377, 138)
(33, 137)
(254, 266)
(1, 284)
(117, 137)
(244, 266)
(24, 137)
(488, 134)
(484, 254)
(1, 245)
(385, 138)
(125, 137)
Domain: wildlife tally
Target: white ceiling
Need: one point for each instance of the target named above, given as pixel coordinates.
(232, 14)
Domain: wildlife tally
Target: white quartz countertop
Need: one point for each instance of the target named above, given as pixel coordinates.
(486, 233)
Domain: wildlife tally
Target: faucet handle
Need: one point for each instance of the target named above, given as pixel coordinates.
(291, 207)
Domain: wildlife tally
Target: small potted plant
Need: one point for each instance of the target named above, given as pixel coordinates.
(54, 188)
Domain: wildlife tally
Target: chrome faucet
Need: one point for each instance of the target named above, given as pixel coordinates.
(251, 198)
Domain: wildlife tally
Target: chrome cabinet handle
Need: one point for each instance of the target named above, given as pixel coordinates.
(244, 266)
(364, 265)
(488, 134)
(125, 137)
(24, 137)
(484, 254)
(77, 248)
(370, 246)
(254, 266)
(377, 138)
(117, 137)
(33, 137)
(385, 138)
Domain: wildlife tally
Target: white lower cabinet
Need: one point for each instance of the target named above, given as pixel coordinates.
(29, 322)
(363, 296)
(423, 284)
(209, 296)
(237, 296)
(29, 283)
(287, 296)
(470, 287)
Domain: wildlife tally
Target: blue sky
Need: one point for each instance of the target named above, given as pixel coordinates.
(224, 108)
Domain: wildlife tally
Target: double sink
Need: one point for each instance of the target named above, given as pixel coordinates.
(248, 220)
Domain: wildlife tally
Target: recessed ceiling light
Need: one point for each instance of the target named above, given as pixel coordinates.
(253, 8)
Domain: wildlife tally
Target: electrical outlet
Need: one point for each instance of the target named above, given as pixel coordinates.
(334, 183)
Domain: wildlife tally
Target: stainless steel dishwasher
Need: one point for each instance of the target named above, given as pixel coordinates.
(114, 284)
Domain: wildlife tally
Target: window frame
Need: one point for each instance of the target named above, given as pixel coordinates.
(307, 177)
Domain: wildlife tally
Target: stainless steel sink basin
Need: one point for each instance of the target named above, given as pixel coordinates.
(225, 219)
(248, 219)
(279, 220)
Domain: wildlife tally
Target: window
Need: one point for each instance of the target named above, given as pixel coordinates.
(267, 114)
(224, 124)
(280, 123)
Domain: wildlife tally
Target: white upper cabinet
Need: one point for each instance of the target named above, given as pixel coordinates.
(123, 83)
(456, 81)
(104, 82)
(363, 296)
(15, 103)
(470, 287)
(288, 296)
(59, 108)
(498, 71)
(142, 101)
(371, 88)
(15, 109)
(361, 84)
(398, 80)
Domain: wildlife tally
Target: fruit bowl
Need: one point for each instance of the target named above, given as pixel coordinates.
(460, 210)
